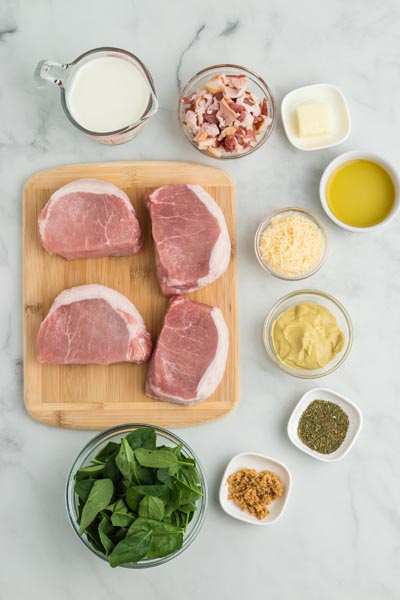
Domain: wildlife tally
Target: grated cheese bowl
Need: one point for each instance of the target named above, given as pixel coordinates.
(315, 297)
(267, 222)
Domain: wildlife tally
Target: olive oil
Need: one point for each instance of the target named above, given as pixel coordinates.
(360, 193)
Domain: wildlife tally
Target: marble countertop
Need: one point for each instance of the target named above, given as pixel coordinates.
(340, 535)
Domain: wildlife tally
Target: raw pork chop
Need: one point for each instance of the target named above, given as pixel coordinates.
(89, 218)
(93, 324)
(190, 355)
(190, 236)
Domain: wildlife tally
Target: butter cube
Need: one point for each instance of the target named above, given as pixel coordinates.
(313, 119)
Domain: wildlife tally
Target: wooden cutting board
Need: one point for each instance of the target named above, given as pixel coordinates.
(93, 396)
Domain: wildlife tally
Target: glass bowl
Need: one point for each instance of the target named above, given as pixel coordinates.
(165, 438)
(268, 220)
(315, 297)
(257, 86)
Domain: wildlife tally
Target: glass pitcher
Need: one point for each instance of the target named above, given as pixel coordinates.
(62, 75)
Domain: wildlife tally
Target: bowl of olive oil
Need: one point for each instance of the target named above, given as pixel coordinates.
(359, 191)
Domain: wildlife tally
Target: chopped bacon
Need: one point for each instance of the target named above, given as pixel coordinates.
(224, 117)
(191, 121)
(210, 117)
(211, 129)
(264, 108)
(230, 143)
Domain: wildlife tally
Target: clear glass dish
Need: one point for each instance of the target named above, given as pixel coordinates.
(268, 220)
(315, 297)
(164, 437)
(257, 86)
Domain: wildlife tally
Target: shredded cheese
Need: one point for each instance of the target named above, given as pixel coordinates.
(291, 245)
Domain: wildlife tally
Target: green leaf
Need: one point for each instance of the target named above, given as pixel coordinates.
(162, 458)
(174, 501)
(151, 507)
(165, 477)
(165, 538)
(83, 487)
(93, 536)
(133, 498)
(144, 437)
(124, 459)
(145, 475)
(105, 529)
(98, 499)
(150, 490)
(111, 471)
(131, 549)
(119, 519)
(106, 452)
(90, 472)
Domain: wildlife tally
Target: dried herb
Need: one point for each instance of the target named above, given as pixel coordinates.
(323, 426)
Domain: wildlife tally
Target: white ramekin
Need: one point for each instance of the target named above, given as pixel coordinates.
(359, 155)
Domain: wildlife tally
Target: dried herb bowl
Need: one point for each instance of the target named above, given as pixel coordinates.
(163, 438)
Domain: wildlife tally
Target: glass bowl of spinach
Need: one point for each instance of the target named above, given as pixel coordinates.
(136, 496)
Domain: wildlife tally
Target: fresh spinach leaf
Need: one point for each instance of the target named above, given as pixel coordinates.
(144, 437)
(111, 471)
(165, 477)
(125, 459)
(90, 472)
(106, 529)
(131, 549)
(105, 453)
(150, 490)
(165, 538)
(83, 487)
(133, 498)
(139, 492)
(161, 458)
(151, 507)
(122, 519)
(98, 499)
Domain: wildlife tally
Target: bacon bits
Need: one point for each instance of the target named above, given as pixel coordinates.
(224, 117)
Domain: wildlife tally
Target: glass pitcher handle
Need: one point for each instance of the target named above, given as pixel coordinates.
(48, 72)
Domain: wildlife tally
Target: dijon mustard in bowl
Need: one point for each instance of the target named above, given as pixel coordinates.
(308, 334)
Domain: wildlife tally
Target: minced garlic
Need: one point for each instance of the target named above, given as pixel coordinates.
(291, 245)
(254, 491)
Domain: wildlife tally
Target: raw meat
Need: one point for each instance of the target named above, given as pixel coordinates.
(89, 218)
(191, 238)
(189, 359)
(93, 324)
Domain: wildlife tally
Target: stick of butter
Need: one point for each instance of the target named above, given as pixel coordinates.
(313, 119)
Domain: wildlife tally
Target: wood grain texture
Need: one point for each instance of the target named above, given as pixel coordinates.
(93, 396)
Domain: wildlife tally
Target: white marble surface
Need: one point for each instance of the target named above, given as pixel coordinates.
(340, 536)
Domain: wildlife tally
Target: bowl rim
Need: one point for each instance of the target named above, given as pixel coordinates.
(304, 374)
(249, 520)
(264, 224)
(360, 155)
(97, 441)
(294, 421)
(314, 85)
(260, 81)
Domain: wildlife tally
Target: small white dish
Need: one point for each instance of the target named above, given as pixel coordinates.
(259, 462)
(353, 412)
(359, 155)
(339, 113)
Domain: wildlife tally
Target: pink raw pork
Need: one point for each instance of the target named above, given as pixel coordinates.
(190, 236)
(93, 324)
(189, 359)
(89, 218)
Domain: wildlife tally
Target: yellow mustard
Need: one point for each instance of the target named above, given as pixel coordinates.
(306, 336)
